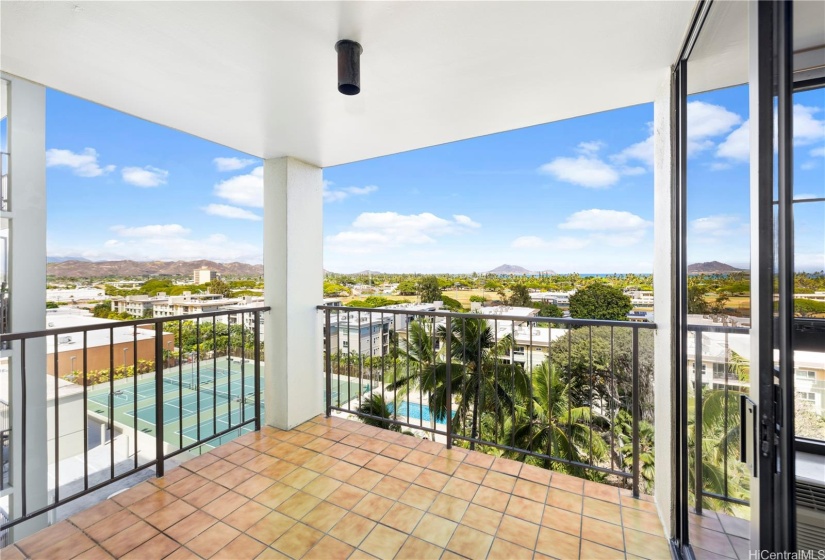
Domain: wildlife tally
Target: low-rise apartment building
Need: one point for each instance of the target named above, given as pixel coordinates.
(190, 303)
(138, 306)
(364, 333)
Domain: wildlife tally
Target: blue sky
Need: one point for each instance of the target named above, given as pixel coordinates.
(571, 196)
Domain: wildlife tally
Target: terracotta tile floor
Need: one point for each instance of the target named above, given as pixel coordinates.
(333, 488)
(718, 536)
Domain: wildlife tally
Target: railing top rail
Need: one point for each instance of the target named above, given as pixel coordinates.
(718, 329)
(521, 318)
(130, 323)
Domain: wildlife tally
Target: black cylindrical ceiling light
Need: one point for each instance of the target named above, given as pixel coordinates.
(349, 66)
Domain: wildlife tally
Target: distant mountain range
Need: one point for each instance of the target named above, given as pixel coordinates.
(126, 269)
(515, 270)
(713, 267)
(64, 259)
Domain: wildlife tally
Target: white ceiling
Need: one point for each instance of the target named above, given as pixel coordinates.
(260, 77)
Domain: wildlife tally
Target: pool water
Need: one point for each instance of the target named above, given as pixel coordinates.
(416, 411)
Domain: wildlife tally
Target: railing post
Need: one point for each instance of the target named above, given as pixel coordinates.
(697, 436)
(636, 412)
(159, 471)
(328, 359)
(257, 350)
(449, 381)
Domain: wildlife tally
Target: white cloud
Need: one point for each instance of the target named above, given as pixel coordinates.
(640, 151)
(244, 190)
(591, 147)
(806, 130)
(337, 195)
(373, 232)
(231, 163)
(590, 172)
(146, 176)
(706, 121)
(84, 164)
(165, 230)
(605, 220)
(226, 211)
(718, 225)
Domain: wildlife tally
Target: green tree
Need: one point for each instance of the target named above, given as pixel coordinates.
(429, 289)
(376, 407)
(600, 301)
(407, 288)
(553, 426)
(452, 304)
(549, 310)
(102, 310)
(808, 307)
(519, 296)
(696, 297)
(51, 305)
(218, 286)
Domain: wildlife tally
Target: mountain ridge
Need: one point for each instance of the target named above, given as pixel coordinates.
(129, 268)
(713, 267)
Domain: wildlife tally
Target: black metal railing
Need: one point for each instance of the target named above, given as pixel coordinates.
(184, 382)
(720, 375)
(568, 394)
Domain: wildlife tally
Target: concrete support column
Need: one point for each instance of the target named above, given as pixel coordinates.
(665, 234)
(27, 289)
(293, 288)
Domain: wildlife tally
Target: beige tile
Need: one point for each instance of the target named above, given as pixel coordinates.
(490, 498)
(601, 491)
(182, 554)
(603, 533)
(462, 489)
(558, 545)
(449, 507)
(217, 469)
(271, 527)
(506, 466)
(597, 551)
(94, 553)
(235, 477)
(298, 505)
(418, 496)
(103, 510)
(298, 540)
(470, 542)
(601, 510)
(381, 464)
(159, 546)
(373, 506)
(481, 518)
(435, 530)
(406, 472)
(169, 515)
(190, 527)
(65, 548)
(205, 494)
(329, 548)
(128, 539)
(365, 479)
(530, 490)
(402, 517)
(564, 500)
(390, 487)
(444, 465)
(324, 516)
(346, 496)
(499, 481)
(645, 545)
(359, 457)
(186, 485)
(642, 521)
(562, 520)
(525, 509)
(352, 529)
(100, 531)
(278, 470)
(299, 478)
(518, 531)
(479, 459)
(417, 549)
(432, 480)
(246, 515)
(209, 542)
(383, 542)
(242, 547)
(227, 503)
(567, 482)
(322, 486)
(11, 552)
(504, 550)
(470, 473)
(414, 457)
(321, 463)
(718, 543)
(135, 493)
(342, 471)
(536, 474)
(275, 495)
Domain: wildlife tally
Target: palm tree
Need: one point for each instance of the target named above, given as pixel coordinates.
(475, 356)
(376, 407)
(720, 446)
(550, 425)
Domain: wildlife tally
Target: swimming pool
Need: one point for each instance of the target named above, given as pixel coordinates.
(416, 411)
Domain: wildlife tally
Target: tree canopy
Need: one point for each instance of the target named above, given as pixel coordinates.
(430, 289)
(600, 301)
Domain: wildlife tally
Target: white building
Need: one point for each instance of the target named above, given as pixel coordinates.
(190, 303)
(203, 276)
(138, 306)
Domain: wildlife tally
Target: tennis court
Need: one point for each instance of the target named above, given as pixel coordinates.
(218, 392)
(344, 390)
